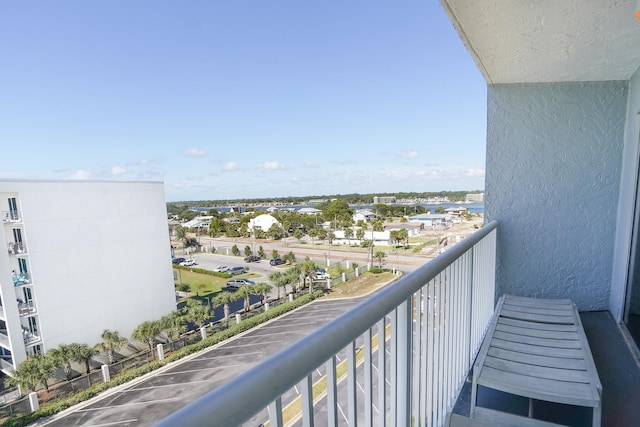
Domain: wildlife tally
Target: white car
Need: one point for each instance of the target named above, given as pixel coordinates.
(188, 263)
(221, 269)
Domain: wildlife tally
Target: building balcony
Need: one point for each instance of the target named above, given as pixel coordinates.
(11, 217)
(21, 279)
(29, 337)
(16, 248)
(26, 308)
(433, 322)
(4, 339)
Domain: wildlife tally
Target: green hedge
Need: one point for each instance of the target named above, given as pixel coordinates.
(202, 271)
(62, 404)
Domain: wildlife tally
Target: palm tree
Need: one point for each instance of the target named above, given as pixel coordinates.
(224, 299)
(245, 291)
(173, 324)
(360, 234)
(313, 233)
(263, 289)
(111, 341)
(37, 369)
(61, 358)
(197, 312)
(348, 234)
(308, 271)
(146, 332)
(276, 278)
(82, 353)
(380, 256)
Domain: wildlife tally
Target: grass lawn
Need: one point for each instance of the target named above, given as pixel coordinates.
(204, 284)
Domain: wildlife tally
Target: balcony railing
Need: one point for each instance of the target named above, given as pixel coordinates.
(29, 337)
(25, 308)
(11, 216)
(431, 323)
(21, 279)
(16, 248)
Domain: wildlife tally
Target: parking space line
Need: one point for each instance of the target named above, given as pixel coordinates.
(196, 370)
(164, 385)
(171, 399)
(224, 355)
(115, 423)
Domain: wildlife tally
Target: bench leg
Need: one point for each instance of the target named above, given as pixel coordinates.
(597, 415)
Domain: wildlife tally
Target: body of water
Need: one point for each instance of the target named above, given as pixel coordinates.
(474, 208)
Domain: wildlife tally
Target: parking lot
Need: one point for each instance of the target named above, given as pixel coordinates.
(149, 399)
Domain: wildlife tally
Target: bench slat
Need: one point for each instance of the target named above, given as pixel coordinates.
(538, 360)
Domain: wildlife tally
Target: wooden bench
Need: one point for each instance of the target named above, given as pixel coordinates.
(536, 348)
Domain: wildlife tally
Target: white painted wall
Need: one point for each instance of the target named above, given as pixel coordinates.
(554, 160)
(99, 256)
(627, 200)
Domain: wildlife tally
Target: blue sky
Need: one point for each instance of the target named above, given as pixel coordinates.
(241, 99)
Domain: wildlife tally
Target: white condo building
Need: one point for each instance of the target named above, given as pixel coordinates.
(82, 256)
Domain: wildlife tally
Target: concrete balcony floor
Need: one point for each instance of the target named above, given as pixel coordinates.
(619, 374)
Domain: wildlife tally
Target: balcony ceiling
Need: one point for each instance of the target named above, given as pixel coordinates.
(549, 40)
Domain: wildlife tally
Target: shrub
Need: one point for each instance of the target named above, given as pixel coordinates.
(376, 270)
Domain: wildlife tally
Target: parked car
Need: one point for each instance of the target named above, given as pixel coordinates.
(236, 270)
(323, 276)
(252, 258)
(235, 284)
(221, 269)
(178, 260)
(276, 261)
(188, 263)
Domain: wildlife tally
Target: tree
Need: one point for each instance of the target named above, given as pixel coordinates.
(440, 209)
(274, 254)
(146, 332)
(82, 353)
(263, 289)
(180, 232)
(245, 292)
(247, 250)
(308, 272)
(313, 233)
(298, 234)
(360, 234)
(261, 253)
(322, 234)
(278, 278)
(190, 242)
(348, 234)
(289, 258)
(37, 369)
(111, 342)
(235, 251)
(275, 232)
(173, 324)
(380, 256)
(224, 299)
(61, 357)
(196, 312)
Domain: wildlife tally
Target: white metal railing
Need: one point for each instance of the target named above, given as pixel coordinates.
(16, 248)
(433, 322)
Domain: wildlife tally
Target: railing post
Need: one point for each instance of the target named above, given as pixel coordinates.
(106, 375)
(403, 363)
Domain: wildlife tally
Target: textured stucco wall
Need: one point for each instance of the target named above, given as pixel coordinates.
(554, 154)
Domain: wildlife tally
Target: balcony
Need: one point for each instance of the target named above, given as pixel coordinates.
(16, 248)
(11, 216)
(433, 321)
(430, 323)
(21, 279)
(26, 308)
(29, 337)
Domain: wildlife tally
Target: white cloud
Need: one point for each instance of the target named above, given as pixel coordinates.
(412, 154)
(117, 170)
(233, 166)
(272, 166)
(80, 174)
(195, 152)
(310, 165)
(475, 172)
